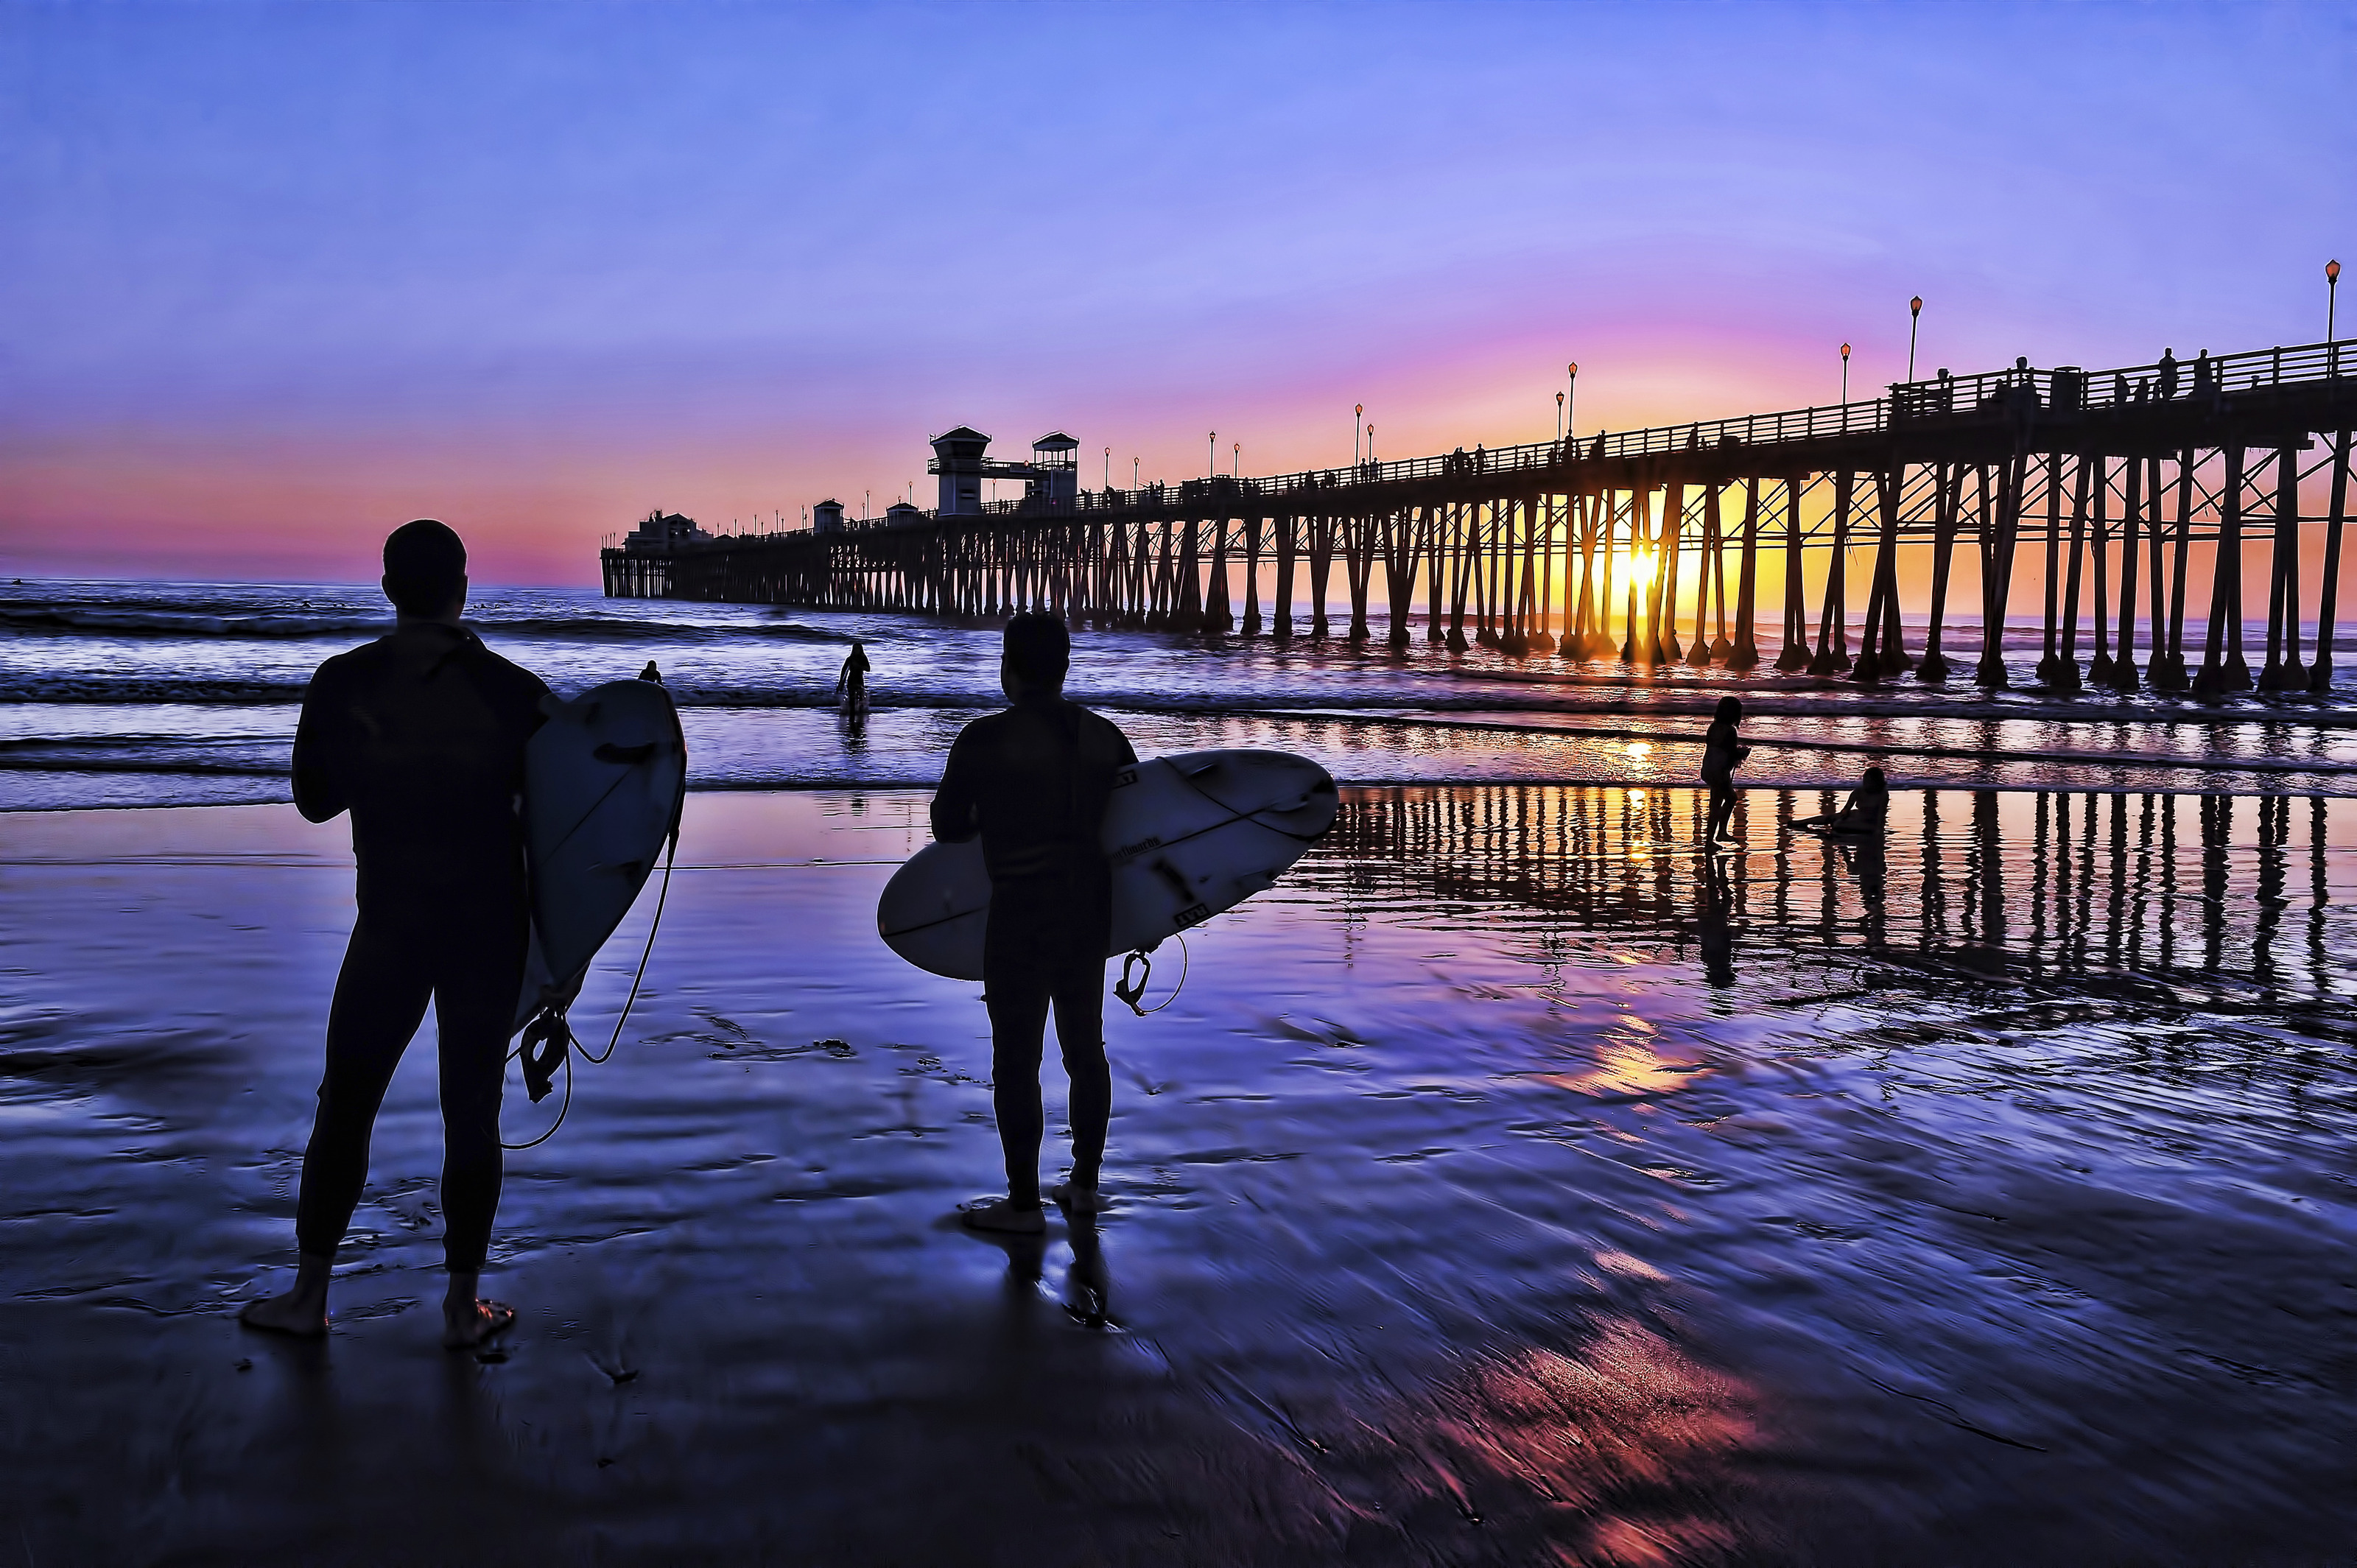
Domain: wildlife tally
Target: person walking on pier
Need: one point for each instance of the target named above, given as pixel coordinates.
(2167, 374)
(420, 736)
(1723, 752)
(1034, 782)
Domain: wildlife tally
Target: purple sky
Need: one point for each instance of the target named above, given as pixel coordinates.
(280, 276)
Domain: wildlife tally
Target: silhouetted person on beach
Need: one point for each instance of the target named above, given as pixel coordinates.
(1865, 812)
(1723, 752)
(851, 685)
(1034, 782)
(420, 734)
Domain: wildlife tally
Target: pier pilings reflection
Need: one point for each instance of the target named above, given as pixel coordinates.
(2221, 892)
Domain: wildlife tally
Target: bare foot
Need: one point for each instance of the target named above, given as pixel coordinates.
(1073, 1197)
(997, 1214)
(302, 1311)
(297, 1312)
(468, 1324)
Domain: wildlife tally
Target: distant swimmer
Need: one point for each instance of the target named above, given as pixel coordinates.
(851, 685)
(1863, 814)
(1723, 752)
(420, 734)
(1034, 781)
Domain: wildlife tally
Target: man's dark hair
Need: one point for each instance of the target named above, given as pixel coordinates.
(1731, 708)
(424, 564)
(1039, 648)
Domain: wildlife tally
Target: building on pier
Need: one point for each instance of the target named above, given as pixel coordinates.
(1050, 479)
(663, 533)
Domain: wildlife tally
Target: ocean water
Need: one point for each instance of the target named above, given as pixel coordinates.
(182, 693)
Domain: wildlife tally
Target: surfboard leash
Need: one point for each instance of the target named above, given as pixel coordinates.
(551, 1034)
(1133, 994)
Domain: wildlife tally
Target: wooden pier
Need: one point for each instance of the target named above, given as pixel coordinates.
(1653, 547)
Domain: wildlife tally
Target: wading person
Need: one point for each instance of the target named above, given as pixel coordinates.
(1033, 781)
(420, 734)
(851, 685)
(1723, 752)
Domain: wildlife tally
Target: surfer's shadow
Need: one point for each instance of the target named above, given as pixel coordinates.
(1083, 1289)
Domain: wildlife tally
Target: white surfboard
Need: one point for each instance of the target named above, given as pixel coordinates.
(1189, 835)
(604, 778)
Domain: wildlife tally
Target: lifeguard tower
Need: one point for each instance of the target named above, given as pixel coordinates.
(1050, 481)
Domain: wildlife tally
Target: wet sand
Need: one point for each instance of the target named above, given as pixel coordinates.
(1508, 1187)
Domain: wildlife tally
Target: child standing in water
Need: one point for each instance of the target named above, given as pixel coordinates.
(1722, 753)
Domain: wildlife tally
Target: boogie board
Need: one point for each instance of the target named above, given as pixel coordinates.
(1189, 835)
(603, 779)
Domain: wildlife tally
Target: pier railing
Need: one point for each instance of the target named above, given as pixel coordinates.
(1911, 407)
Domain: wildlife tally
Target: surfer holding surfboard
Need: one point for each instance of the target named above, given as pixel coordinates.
(1033, 783)
(421, 734)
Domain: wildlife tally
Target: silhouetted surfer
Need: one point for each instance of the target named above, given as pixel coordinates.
(1034, 781)
(851, 685)
(420, 734)
(1723, 752)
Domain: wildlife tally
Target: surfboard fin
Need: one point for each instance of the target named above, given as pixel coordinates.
(546, 1040)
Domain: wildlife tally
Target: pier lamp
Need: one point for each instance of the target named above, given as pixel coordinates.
(1108, 467)
(1236, 461)
(1914, 318)
(1358, 412)
(1133, 473)
(1844, 373)
(1214, 439)
(2332, 289)
(1570, 393)
(1558, 416)
(1370, 442)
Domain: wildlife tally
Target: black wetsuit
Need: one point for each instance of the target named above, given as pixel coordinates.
(420, 735)
(1034, 781)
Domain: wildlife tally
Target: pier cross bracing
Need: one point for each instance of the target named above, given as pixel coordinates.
(1679, 543)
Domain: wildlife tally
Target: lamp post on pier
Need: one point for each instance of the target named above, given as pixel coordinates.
(1358, 412)
(1370, 442)
(1844, 373)
(1914, 319)
(2331, 293)
(1214, 439)
(1558, 419)
(1108, 467)
(1236, 461)
(1570, 395)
